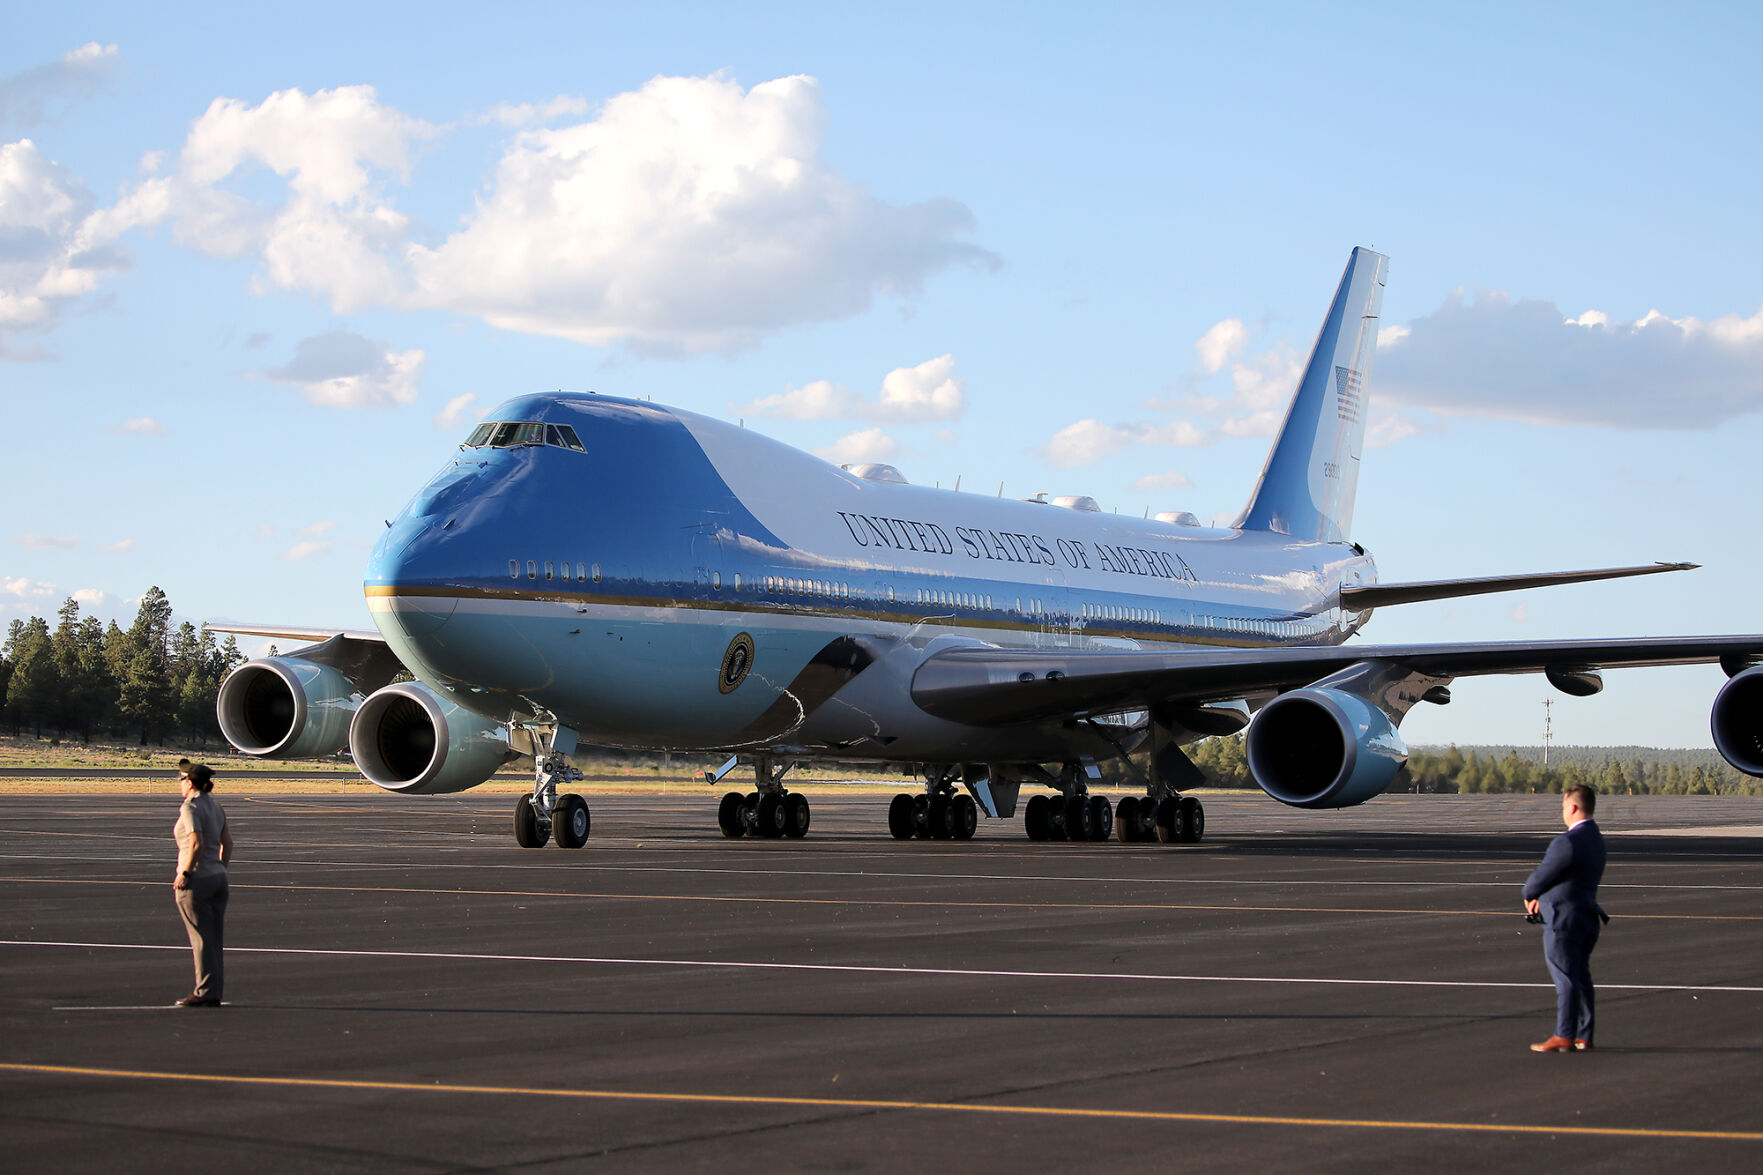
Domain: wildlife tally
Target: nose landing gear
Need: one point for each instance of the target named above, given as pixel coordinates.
(544, 814)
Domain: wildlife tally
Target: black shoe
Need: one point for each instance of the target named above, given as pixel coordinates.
(197, 1001)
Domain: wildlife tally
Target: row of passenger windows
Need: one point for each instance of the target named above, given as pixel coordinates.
(1136, 615)
(509, 434)
(566, 570)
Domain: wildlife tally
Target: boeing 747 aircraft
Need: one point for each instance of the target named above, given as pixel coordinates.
(591, 570)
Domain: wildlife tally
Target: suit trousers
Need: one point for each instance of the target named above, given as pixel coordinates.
(1570, 965)
(202, 904)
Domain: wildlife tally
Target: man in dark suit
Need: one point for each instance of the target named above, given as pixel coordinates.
(1564, 891)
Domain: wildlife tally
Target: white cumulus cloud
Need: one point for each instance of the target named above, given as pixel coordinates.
(922, 394)
(46, 542)
(870, 444)
(1221, 344)
(456, 411)
(1522, 359)
(1088, 441)
(25, 97)
(1173, 479)
(345, 370)
(49, 251)
(140, 426)
(692, 215)
(118, 547)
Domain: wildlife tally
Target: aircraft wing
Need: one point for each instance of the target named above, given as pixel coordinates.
(1381, 595)
(361, 655)
(988, 686)
(288, 632)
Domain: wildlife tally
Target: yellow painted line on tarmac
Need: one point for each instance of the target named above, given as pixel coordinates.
(872, 1104)
(887, 902)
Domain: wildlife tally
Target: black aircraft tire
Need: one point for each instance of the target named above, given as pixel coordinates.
(963, 818)
(796, 816)
(1079, 819)
(1034, 818)
(1168, 820)
(937, 818)
(729, 813)
(921, 814)
(771, 816)
(1126, 819)
(528, 832)
(571, 821)
(900, 816)
(1193, 825)
(1101, 818)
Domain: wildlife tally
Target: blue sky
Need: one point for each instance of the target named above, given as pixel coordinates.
(259, 272)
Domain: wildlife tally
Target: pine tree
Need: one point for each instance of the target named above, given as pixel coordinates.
(33, 693)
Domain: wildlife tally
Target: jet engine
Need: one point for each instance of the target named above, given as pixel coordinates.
(1324, 748)
(287, 708)
(1737, 721)
(409, 739)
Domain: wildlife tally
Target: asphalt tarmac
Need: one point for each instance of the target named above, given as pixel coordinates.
(1333, 991)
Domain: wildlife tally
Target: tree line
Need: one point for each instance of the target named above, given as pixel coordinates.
(149, 681)
(1633, 771)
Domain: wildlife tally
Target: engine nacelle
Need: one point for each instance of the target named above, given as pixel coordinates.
(1324, 748)
(287, 708)
(1737, 721)
(409, 739)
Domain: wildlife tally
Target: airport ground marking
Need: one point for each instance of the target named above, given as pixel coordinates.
(878, 969)
(906, 903)
(574, 868)
(880, 1104)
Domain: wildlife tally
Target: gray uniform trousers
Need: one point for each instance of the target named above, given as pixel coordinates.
(202, 903)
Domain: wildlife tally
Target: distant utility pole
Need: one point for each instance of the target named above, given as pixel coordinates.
(1548, 704)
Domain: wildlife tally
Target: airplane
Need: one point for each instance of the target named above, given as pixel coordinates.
(591, 570)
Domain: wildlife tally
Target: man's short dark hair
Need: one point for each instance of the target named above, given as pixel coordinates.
(1583, 797)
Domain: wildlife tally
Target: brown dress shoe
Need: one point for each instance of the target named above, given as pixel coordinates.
(1581, 1046)
(1555, 1044)
(197, 1001)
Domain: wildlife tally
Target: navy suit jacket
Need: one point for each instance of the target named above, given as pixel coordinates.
(1566, 883)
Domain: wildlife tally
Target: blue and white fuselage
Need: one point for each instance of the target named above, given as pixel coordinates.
(609, 586)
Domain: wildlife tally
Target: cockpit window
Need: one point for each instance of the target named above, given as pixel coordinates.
(508, 434)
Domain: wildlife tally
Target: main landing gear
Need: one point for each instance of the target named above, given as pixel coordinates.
(1075, 815)
(1172, 819)
(768, 811)
(544, 814)
(936, 813)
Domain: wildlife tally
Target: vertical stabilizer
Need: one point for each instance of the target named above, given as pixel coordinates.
(1306, 489)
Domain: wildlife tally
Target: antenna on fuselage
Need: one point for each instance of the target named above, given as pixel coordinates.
(957, 483)
(1000, 489)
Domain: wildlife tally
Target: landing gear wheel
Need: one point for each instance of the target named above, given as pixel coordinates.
(1079, 819)
(571, 822)
(1034, 818)
(730, 813)
(1193, 825)
(937, 817)
(1101, 818)
(961, 818)
(1168, 820)
(1056, 822)
(1126, 819)
(528, 832)
(796, 816)
(900, 817)
(921, 814)
(771, 816)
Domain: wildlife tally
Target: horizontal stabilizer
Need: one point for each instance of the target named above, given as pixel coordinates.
(1379, 595)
